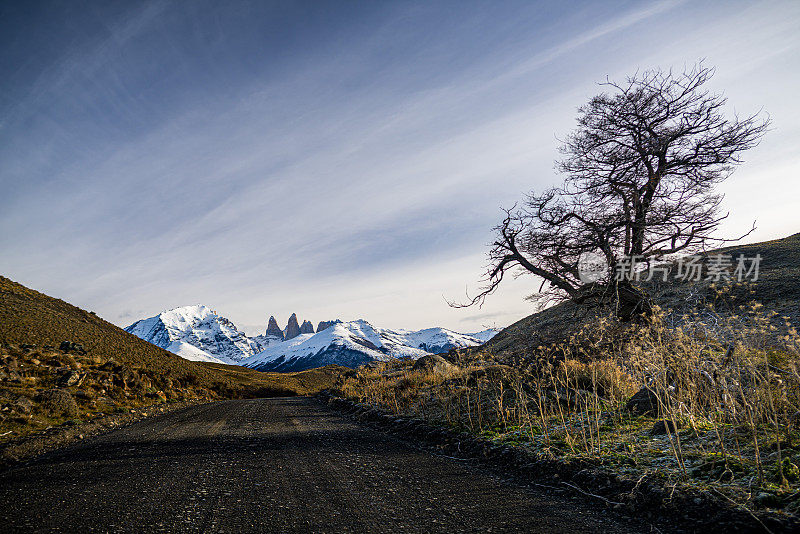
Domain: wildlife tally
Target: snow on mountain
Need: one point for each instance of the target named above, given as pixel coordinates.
(263, 341)
(485, 335)
(197, 333)
(190, 352)
(354, 343)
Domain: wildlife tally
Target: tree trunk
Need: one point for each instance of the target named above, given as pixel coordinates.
(632, 302)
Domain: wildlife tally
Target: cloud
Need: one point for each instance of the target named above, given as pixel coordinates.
(345, 164)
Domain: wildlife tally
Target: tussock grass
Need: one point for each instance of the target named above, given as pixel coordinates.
(723, 390)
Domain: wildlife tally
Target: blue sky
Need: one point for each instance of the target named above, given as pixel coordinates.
(334, 159)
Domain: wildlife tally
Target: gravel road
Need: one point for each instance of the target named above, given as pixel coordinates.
(274, 465)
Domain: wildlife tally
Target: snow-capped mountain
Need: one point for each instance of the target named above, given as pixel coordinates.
(354, 343)
(485, 335)
(198, 333)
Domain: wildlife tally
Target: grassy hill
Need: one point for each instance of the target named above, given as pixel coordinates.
(60, 363)
(777, 288)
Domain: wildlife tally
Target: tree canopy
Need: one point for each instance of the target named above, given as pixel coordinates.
(640, 176)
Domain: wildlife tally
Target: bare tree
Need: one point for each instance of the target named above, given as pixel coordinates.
(641, 170)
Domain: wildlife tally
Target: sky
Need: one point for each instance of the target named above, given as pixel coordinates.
(336, 159)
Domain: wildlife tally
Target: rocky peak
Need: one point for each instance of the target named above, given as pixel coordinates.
(326, 324)
(306, 328)
(292, 329)
(273, 329)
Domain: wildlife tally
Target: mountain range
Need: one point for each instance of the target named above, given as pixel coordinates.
(199, 333)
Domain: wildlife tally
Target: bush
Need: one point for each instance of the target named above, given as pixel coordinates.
(58, 402)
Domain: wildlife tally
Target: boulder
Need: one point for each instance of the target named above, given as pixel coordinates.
(23, 405)
(85, 394)
(70, 378)
(644, 402)
(70, 346)
(292, 329)
(492, 373)
(660, 427)
(433, 363)
(273, 329)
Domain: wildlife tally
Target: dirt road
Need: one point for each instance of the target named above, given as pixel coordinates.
(273, 465)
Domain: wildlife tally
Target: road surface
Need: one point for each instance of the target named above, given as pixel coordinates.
(273, 465)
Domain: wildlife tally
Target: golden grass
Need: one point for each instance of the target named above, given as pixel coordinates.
(32, 318)
(726, 390)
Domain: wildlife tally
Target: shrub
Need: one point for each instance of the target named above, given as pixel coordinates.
(58, 402)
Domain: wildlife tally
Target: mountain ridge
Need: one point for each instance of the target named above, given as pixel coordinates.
(197, 333)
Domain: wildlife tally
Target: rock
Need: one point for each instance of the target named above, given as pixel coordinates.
(660, 427)
(13, 376)
(107, 401)
(273, 329)
(790, 470)
(58, 402)
(306, 328)
(70, 346)
(323, 325)
(292, 329)
(644, 402)
(110, 365)
(766, 499)
(24, 405)
(85, 394)
(558, 395)
(492, 373)
(433, 363)
(71, 378)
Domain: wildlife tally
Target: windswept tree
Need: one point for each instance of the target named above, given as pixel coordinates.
(641, 171)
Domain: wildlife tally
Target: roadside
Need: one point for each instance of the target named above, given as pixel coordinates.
(51, 397)
(22, 448)
(666, 507)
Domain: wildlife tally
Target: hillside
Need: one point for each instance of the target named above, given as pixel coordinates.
(701, 403)
(60, 363)
(777, 288)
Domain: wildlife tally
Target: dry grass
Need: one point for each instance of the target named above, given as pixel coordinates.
(725, 393)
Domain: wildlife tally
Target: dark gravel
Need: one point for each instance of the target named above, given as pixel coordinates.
(274, 465)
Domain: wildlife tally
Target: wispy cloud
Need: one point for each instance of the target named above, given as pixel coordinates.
(335, 162)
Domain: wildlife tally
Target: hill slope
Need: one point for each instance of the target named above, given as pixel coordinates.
(777, 288)
(60, 363)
